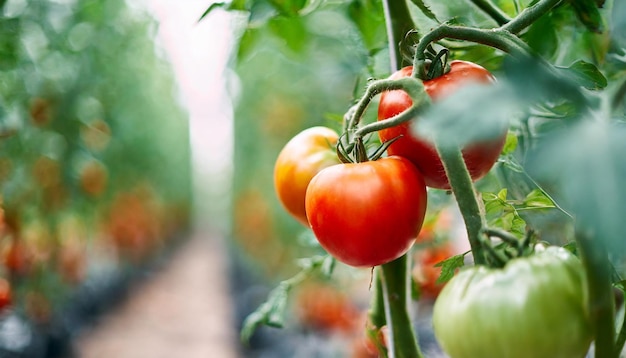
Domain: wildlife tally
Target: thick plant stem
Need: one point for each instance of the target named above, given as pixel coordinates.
(499, 16)
(595, 259)
(463, 189)
(529, 15)
(395, 285)
(393, 277)
(399, 23)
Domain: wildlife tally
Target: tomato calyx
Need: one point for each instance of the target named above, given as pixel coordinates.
(511, 246)
(356, 152)
(438, 65)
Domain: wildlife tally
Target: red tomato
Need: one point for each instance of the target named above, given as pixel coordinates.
(367, 214)
(298, 162)
(479, 157)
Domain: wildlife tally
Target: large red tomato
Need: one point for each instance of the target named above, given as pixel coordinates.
(299, 161)
(479, 157)
(367, 214)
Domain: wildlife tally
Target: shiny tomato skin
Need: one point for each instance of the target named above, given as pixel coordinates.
(367, 214)
(535, 306)
(479, 157)
(298, 162)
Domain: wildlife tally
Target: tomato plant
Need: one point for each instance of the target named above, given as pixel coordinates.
(553, 120)
(367, 214)
(474, 315)
(298, 162)
(479, 157)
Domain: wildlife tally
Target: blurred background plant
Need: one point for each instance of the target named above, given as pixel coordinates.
(94, 161)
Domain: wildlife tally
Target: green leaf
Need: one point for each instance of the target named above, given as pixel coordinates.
(215, 5)
(588, 13)
(369, 19)
(292, 30)
(425, 9)
(586, 74)
(502, 194)
(289, 7)
(511, 143)
(538, 199)
(270, 313)
(449, 267)
(542, 36)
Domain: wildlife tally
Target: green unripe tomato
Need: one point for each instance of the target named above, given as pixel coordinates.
(533, 307)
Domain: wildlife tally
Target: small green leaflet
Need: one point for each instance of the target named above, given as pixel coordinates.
(586, 74)
(272, 312)
(425, 10)
(537, 199)
(449, 267)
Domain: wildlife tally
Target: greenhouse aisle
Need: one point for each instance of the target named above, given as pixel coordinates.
(181, 311)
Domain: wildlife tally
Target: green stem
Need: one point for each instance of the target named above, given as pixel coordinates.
(496, 38)
(413, 87)
(394, 276)
(463, 189)
(529, 15)
(399, 23)
(595, 259)
(492, 10)
(395, 284)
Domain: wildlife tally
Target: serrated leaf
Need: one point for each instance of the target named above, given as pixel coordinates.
(586, 74)
(270, 313)
(425, 9)
(493, 204)
(215, 5)
(538, 199)
(449, 267)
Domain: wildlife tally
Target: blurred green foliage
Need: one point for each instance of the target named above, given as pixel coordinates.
(94, 154)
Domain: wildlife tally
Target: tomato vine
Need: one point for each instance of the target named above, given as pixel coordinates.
(565, 89)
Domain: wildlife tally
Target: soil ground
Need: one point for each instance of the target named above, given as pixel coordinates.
(183, 310)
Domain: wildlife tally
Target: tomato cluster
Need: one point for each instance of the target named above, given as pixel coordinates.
(369, 213)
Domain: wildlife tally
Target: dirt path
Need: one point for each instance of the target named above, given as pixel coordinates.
(182, 311)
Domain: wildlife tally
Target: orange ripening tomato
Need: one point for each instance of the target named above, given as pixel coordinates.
(298, 162)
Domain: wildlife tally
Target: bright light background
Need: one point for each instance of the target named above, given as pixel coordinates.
(199, 52)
